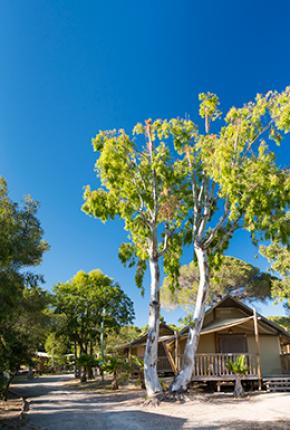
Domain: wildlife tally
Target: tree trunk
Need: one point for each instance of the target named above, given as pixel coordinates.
(181, 381)
(152, 384)
(76, 369)
(102, 345)
(91, 373)
(5, 380)
(30, 372)
(84, 375)
(115, 384)
(238, 391)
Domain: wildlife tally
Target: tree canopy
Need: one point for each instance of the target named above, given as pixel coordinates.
(87, 300)
(278, 255)
(233, 276)
(23, 304)
(190, 185)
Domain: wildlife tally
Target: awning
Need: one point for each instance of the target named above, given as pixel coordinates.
(224, 324)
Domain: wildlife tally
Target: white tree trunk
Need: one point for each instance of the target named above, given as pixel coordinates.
(152, 384)
(182, 380)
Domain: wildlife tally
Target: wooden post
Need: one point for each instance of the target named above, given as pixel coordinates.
(256, 330)
(177, 358)
(169, 358)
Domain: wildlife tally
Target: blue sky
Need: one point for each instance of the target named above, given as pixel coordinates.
(70, 68)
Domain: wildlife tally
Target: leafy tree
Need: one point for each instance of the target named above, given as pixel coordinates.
(198, 188)
(142, 184)
(23, 304)
(233, 276)
(86, 362)
(125, 335)
(119, 367)
(278, 255)
(92, 306)
(235, 183)
(57, 347)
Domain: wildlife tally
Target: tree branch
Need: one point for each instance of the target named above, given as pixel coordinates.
(219, 224)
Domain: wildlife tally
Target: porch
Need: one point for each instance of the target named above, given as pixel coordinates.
(212, 366)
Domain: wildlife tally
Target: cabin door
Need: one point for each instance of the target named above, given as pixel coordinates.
(233, 343)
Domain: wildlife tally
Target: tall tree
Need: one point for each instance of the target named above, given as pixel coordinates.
(233, 276)
(197, 189)
(142, 184)
(23, 304)
(235, 184)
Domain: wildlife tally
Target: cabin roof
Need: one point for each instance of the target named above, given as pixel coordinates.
(165, 333)
(229, 301)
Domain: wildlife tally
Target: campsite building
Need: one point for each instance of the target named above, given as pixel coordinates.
(230, 329)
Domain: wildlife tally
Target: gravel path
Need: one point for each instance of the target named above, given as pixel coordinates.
(56, 403)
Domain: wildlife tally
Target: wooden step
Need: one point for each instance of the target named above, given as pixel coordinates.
(276, 384)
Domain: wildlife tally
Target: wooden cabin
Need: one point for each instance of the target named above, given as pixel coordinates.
(137, 348)
(230, 329)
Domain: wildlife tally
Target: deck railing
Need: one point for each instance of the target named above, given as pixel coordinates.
(215, 364)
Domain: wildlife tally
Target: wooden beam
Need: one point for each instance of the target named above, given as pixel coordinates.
(257, 340)
(169, 358)
(176, 352)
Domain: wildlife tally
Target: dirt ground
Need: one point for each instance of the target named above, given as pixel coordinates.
(58, 403)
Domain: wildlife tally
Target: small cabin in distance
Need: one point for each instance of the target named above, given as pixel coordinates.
(137, 348)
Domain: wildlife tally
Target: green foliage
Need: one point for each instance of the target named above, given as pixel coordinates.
(238, 366)
(195, 176)
(116, 364)
(283, 321)
(125, 335)
(142, 184)
(233, 276)
(23, 317)
(57, 347)
(87, 361)
(278, 256)
(87, 301)
(186, 321)
(173, 185)
(121, 367)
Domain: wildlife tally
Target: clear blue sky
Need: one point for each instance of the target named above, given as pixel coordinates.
(70, 68)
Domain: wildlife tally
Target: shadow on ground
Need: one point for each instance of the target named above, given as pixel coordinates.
(136, 420)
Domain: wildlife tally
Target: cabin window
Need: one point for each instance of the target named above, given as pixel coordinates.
(230, 343)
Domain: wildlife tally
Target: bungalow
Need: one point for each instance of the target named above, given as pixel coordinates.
(137, 348)
(230, 329)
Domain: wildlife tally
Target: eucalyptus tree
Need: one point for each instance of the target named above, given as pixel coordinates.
(142, 182)
(197, 189)
(235, 183)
